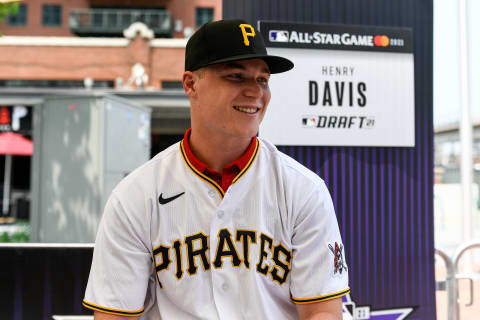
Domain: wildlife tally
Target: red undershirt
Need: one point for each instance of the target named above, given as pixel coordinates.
(229, 172)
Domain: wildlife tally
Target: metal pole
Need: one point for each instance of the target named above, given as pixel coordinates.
(6, 184)
(456, 258)
(451, 283)
(466, 139)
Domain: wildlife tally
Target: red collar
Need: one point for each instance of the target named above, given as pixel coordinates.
(229, 172)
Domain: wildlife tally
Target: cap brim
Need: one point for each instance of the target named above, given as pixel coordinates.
(276, 64)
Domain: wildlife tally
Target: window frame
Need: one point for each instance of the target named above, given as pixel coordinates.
(49, 22)
(13, 20)
(201, 12)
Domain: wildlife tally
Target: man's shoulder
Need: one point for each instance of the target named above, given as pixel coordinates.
(286, 165)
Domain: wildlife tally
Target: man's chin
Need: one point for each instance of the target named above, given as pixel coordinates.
(251, 132)
(246, 134)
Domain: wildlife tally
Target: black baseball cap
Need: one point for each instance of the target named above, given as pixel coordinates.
(229, 40)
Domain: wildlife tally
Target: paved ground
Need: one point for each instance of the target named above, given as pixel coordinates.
(466, 313)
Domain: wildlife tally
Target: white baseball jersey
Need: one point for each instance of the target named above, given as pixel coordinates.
(172, 245)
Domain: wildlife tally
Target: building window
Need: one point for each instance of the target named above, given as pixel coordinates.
(52, 15)
(20, 18)
(203, 15)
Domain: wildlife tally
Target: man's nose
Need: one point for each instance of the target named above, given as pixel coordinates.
(253, 89)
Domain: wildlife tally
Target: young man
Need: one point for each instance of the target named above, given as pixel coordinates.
(220, 225)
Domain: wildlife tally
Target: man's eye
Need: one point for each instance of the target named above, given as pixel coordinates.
(262, 80)
(235, 76)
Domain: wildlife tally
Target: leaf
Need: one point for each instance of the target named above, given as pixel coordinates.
(7, 9)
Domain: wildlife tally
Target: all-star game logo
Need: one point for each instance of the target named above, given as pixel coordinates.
(339, 265)
(353, 312)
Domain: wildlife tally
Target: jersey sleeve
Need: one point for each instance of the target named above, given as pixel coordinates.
(121, 264)
(319, 271)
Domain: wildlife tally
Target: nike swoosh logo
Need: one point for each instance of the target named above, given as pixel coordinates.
(163, 200)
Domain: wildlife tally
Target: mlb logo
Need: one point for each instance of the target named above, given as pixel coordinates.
(310, 121)
(278, 36)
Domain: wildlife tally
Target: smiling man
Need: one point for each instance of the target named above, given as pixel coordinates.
(220, 225)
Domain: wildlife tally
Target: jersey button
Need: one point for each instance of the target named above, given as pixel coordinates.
(225, 287)
(211, 193)
(220, 214)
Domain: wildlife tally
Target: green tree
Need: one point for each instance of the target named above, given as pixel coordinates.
(8, 7)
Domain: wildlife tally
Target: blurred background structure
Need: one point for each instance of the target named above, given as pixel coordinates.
(457, 150)
(128, 49)
(450, 229)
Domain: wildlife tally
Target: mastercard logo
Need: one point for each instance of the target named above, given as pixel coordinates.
(381, 41)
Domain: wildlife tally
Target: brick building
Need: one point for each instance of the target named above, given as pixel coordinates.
(60, 43)
(130, 48)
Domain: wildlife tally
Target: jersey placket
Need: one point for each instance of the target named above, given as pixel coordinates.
(223, 284)
(224, 281)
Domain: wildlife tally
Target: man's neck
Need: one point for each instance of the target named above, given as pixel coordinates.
(217, 151)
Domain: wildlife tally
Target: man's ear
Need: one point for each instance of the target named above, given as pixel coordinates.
(188, 81)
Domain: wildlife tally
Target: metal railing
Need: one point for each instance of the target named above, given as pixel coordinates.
(450, 284)
(114, 21)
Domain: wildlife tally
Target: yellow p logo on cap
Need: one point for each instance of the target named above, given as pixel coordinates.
(247, 34)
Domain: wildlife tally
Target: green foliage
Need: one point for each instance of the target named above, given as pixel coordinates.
(4, 237)
(20, 236)
(7, 9)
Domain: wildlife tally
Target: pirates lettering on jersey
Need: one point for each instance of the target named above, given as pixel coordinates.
(282, 267)
(263, 254)
(192, 252)
(178, 258)
(225, 240)
(163, 253)
(247, 237)
(273, 261)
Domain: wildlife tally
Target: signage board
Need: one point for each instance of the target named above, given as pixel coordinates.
(351, 86)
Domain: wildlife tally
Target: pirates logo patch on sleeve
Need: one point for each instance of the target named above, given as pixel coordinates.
(339, 265)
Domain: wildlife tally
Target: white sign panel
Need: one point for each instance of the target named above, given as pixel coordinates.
(345, 96)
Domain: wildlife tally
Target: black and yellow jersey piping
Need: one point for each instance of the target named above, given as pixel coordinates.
(210, 181)
(326, 297)
(118, 312)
